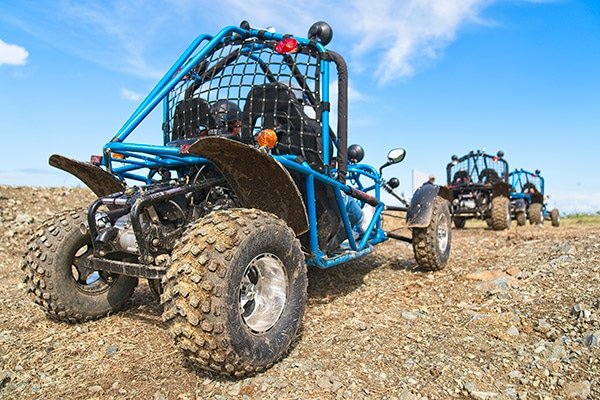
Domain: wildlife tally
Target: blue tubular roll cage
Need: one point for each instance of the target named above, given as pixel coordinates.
(132, 157)
(516, 182)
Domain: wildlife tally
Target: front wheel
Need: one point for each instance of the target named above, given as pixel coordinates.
(235, 293)
(555, 217)
(521, 218)
(59, 279)
(500, 213)
(431, 245)
(535, 213)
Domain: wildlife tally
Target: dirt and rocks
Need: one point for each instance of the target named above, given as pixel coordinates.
(515, 315)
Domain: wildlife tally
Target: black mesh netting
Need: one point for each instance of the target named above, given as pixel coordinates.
(478, 168)
(524, 182)
(242, 87)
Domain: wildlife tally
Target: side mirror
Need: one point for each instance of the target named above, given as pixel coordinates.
(394, 157)
(537, 172)
(500, 154)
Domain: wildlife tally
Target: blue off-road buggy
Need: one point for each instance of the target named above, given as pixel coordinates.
(250, 185)
(479, 186)
(528, 200)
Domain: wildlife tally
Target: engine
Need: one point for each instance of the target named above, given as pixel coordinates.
(143, 223)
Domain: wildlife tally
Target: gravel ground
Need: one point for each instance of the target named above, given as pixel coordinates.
(515, 315)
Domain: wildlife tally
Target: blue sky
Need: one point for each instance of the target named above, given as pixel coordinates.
(437, 77)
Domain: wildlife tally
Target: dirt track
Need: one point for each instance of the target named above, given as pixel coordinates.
(515, 315)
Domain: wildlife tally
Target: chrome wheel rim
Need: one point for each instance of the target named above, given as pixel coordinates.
(87, 279)
(263, 292)
(442, 232)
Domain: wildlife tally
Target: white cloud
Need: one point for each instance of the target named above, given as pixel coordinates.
(403, 36)
(391, 39)
(130, 95)
(12, 54)
(575, 202)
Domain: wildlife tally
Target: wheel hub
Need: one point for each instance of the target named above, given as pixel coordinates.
(263, 292)
(442, 232)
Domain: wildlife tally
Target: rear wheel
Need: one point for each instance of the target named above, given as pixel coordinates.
(500, 213)
(535, 213)
(555, 217)
(431, 245)
(459, 222)
(521, 218)
(235, 293)
(59, 279)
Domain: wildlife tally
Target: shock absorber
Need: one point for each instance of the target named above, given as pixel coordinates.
(389, 187)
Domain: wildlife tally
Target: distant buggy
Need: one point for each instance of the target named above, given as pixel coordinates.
(528, 200)
(250, 185)
(479, 185)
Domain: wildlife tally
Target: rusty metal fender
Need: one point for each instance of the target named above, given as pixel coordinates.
(258, 179)
(98, 180)
(420, 210)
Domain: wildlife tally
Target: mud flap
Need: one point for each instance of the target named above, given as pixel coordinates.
(98, 180)
(257, 178)
(421, 206)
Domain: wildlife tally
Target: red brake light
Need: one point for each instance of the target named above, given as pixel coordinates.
(96, 160)
(287, 45)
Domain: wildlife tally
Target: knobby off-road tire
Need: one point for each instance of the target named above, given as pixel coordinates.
(521, 218)
(555, 217)
(56, 278)
(535, 214)
(500, 213)
(235, 293)
(431, 245)
(459, 222)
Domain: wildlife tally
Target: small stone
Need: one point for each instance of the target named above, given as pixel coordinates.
(159, 395)
(412, 381)
(97, 389)
(324, 383)
(479, 394)
(407, 395)
(557, 353)
(578, 390)
(235, 389)
(515, 375)
(358, 324)
(592, 340)
(567, 248)
(35, 388)
(412, 315)
(486, 275)
(543, 326)
(512, 331)
(112, 349)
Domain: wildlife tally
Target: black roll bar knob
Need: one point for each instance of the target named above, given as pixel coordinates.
(321, 31)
